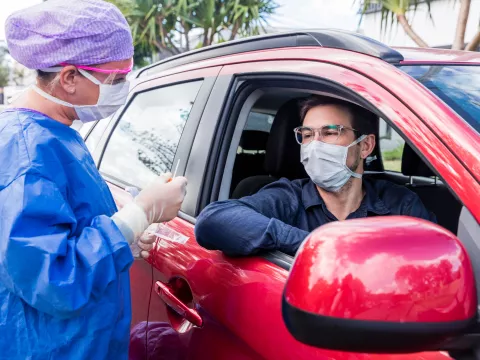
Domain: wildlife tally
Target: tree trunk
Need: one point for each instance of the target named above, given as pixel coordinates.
(409, 31)
(459, 40)
(235, 29)
(187, 40)
(186, 33)
(212, 36)
(205, 37)
(475, 43)
(173, 46)
(158, 45)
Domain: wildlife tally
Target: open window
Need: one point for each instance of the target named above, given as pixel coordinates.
(263, 149)
(404, 166)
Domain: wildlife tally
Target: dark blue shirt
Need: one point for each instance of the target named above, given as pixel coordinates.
(282, 214)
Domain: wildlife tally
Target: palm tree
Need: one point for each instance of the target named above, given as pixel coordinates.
(396, 11)
(208, 15)
(459, 40)
(152, 23)
(234, 17)
(475, 42)
(165, 26)
(247, 17)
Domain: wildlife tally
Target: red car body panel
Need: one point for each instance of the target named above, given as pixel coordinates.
(239, 299)
(221, 286)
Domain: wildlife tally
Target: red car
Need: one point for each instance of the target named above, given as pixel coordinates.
(223, 116)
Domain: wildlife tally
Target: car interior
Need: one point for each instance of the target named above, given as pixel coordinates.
(267, 151)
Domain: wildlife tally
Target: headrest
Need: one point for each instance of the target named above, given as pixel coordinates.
(254, 140)
(412, 165)
(283, 152)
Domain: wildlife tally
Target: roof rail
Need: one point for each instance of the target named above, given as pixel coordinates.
(329, 38)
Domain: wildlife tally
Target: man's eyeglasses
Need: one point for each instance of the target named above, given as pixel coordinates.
(328, 134)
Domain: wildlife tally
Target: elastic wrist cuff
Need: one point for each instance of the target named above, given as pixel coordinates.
(132, 216)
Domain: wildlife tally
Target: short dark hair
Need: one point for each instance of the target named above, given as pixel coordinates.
(363, 120)
(45, 76)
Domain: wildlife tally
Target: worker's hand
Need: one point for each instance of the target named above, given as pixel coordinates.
(162, 200)
(145, 243)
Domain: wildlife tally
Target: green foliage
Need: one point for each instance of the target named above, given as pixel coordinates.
(391, 9)
(394, 154)
(4, 70)
(164, 27)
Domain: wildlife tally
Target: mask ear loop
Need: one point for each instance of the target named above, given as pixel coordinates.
(51, 98)
(354, 174)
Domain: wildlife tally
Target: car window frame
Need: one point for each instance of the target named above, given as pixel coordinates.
(236, 137)
(239, 80)
(118, 181)
(239, 92)
(244, 90)
(184, 145)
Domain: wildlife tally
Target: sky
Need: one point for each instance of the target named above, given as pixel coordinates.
(340, 14)
(310, 14)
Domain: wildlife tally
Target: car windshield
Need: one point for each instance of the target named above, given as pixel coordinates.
(456, 85)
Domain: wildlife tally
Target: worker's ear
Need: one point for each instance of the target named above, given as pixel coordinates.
(368, 145)
(68, 79)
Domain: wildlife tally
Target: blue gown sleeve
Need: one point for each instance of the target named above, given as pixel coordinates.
(42, 262)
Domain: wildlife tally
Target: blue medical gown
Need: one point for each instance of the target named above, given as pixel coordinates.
(64, 282)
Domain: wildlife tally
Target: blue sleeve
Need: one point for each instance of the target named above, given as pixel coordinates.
(415, 208)
(254, 223)
(42, 262)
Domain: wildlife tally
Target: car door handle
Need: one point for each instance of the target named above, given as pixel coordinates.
(177, 305)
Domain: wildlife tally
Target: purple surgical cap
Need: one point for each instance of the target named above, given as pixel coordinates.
(77, 32)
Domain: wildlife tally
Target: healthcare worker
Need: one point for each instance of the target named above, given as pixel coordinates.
(64, 247)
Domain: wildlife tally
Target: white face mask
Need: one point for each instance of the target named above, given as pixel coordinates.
(110, 99)
(326, 164)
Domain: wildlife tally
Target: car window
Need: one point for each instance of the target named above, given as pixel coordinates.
(458, 86)
(144, 142)
(259, 121)
(391, 147)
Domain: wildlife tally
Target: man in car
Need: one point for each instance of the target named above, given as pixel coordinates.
(336, 137)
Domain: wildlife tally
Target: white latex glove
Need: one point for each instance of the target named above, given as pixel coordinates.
(158, 202)
(162, 200)
(145, 244)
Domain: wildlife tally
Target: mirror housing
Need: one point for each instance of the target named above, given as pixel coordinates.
(380, 285)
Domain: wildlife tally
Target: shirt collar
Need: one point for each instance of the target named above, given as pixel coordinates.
(310, 195)
(373, 203)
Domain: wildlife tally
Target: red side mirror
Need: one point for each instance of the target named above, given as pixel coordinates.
(386, 284)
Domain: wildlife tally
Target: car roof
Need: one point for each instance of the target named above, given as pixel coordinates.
(323, 38)
(432, 55)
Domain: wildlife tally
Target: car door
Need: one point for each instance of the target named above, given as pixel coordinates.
(206, 305)
(140, 142)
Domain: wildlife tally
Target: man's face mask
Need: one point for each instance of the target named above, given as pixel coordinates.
(111, 96)
(326, 164)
